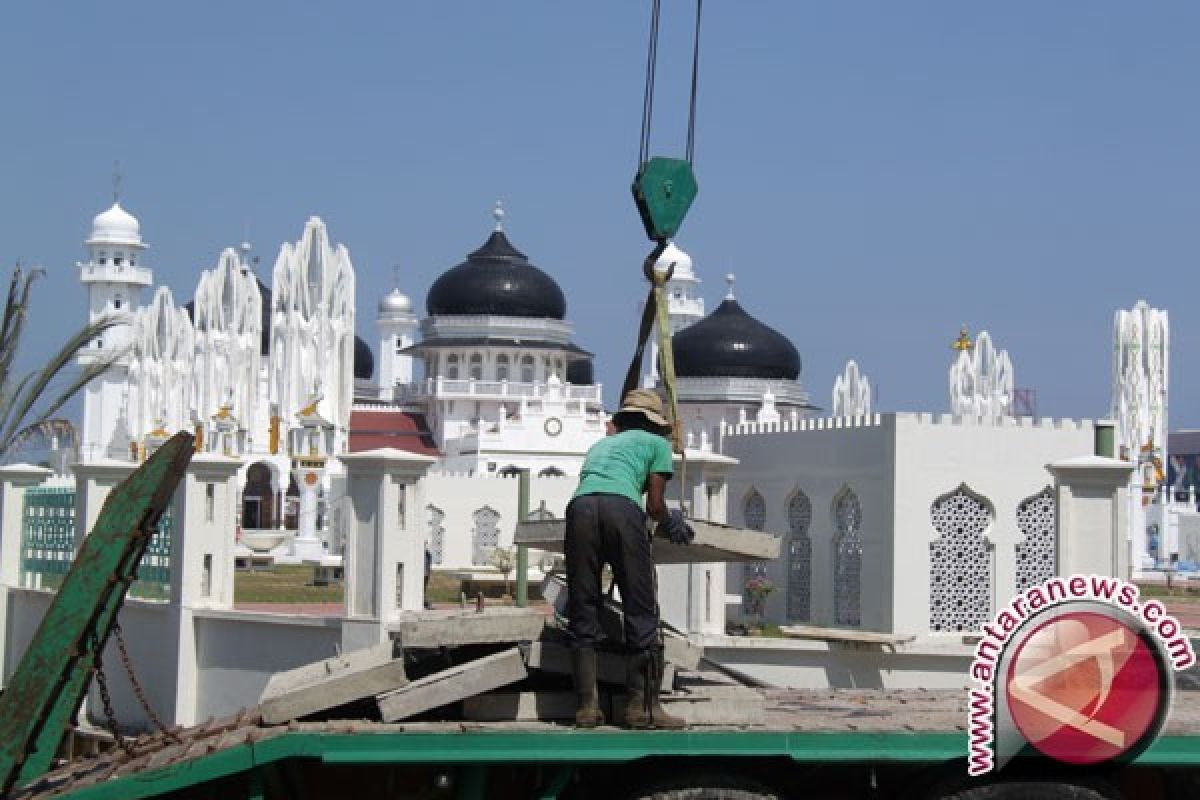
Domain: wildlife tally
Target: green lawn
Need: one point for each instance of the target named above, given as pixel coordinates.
(282, 584)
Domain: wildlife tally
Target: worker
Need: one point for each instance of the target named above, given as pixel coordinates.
(606, 525)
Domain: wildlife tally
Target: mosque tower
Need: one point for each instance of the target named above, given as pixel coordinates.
(114, 278)
(397, 332)
(684, 303)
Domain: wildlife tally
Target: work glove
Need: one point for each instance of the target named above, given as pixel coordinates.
(676, 528)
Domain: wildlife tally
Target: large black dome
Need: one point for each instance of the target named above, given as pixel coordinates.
(729, 343)
(496, 279)
(364, 361)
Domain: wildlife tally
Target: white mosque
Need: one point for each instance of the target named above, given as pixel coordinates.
(489, 382)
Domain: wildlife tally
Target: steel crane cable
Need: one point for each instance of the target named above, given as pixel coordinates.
(649, 86)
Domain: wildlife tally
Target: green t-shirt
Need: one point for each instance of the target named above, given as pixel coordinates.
(621, 463)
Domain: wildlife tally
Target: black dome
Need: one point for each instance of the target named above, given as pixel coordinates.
(496, 279)
(729, 343)
(580, 372)
(364, 362)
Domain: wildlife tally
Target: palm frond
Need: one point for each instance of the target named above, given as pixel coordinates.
(15, 416)
(46, 431)
(13, 322)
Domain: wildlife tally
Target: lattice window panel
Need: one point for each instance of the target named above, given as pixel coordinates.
(960, 563)
(1037, 556)
(437, 534)
(847, 560)
(799, 586)
(485, 538)
(754, 514)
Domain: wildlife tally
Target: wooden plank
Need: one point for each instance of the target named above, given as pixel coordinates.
(714, 542)
(332, 683)
(452, 685)
(844, 635)
(457, 627)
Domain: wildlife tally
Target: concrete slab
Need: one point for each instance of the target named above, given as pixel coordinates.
(453, 685)
(521, 707)
(678, 648)
(845, 635)
(331, 683)
(712, 705)
(713, 543)
(456, 627)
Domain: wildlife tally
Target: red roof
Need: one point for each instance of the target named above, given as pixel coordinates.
(403, 430)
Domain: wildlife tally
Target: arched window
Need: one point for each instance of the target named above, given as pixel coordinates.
(510, 471)
(485, 537)
(754, 516)
(527, 369)
(452, 366)
(1037, 556)
(847, 559)
(960, 562)
(551, 472)
(502, 367)
(799, 585)
(437, 534)
(476, 367)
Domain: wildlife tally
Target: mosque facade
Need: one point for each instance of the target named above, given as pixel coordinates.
(489, 381)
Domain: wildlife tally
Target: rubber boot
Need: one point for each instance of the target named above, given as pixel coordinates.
(643, 677)
(583, 667)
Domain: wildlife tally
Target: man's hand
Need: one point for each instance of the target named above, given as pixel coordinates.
(677, 529)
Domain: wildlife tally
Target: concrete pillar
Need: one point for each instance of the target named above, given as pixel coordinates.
(692, 596)
(205, 526)
(93, 481)
(383, 516)
(1091, 523)
(14, 480)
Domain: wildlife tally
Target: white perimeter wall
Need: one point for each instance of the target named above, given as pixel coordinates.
(898, 465)
(460, 496)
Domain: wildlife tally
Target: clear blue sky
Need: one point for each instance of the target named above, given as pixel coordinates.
(876, 173)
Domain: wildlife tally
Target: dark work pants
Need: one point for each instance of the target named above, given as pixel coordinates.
(609, 529)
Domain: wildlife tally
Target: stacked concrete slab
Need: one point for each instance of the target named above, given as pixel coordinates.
(494, 665)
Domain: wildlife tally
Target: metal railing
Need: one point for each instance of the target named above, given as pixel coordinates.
(154, 573)
(47, 536)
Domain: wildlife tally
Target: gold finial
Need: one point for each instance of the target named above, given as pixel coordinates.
(963, 342)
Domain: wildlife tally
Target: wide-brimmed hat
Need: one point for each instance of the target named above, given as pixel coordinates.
(645, 402)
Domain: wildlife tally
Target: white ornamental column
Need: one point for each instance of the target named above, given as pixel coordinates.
(384, 519)
(1090, 516)
(307, 545)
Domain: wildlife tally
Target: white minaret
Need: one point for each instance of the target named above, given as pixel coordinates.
(397, 328)
(684, 303)
(114, 277)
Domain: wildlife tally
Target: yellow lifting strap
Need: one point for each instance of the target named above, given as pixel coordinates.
(655, 310)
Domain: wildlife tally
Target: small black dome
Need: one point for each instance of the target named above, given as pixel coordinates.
(364, 362)
(496, 279)
(729, 343)
(581, 372)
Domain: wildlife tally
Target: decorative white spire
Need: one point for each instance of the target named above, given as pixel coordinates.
(498, 215)
(730, 279)
(981, 379)
(851, 393)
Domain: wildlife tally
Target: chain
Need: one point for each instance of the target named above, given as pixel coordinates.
(110, 716)
(138, 691)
